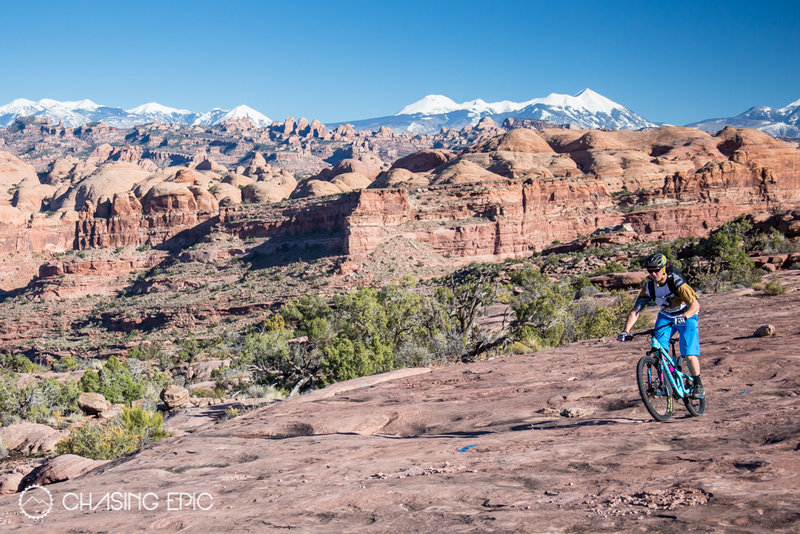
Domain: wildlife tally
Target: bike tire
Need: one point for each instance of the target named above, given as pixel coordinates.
(695, 407)
(655, 390)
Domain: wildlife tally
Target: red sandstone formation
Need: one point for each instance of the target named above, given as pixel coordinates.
(506, 196)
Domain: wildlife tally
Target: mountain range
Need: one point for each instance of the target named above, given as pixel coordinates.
(77, 113)
(587, 109)
(783, 122)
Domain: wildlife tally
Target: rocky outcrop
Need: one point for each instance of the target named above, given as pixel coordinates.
(506, 196)
(60, 468)
(30, 438)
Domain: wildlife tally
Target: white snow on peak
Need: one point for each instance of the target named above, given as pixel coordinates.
(258, 118)
(586, 100)
(19, 105)
(85, 105)
(431, 105)
(790, 107)
(154, 108)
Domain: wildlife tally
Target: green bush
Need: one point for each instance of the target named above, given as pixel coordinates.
(36, 401)
(18, 364)
(345, 359)
(118, 382)
(99, 441)
(722, 260)
(612, 267)
(775, 287)
(122, 435)
(145, 424)
(3, 451)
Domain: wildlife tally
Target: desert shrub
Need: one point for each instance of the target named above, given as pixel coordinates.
(146, 424)
(612, 267)
(67, 363)
(722, 261)
(152, 351)
(17, 363)
(345, 359)
(414, 353)
(36, 401)
(232, 412)
(99, 441)
(450, 318)
(518, 347)
(260, 391)
(3, 451)
(123, 383)
(548, 313)
(120, 436)
(775, 287)
(203, 392)
(773, 242)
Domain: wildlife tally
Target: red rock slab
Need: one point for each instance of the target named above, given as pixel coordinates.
(482, 448)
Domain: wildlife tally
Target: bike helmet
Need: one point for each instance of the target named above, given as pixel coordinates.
(655, 261)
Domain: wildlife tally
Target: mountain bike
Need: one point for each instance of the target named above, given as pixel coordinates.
(661, 380)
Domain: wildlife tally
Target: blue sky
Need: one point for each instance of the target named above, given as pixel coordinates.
(674, 62)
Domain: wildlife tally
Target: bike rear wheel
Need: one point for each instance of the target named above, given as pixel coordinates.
(695, 406)
(654, 388)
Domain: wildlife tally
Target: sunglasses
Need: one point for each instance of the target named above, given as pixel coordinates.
(654, 271)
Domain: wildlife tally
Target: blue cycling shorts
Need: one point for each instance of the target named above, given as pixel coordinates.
(689, 337)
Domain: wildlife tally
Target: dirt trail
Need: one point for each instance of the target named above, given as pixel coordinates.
(483, 447)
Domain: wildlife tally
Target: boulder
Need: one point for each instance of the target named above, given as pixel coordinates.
(64, 467)
(9, 482)
(174, 396)
(93, 403)
(764, 331)
(30, 438)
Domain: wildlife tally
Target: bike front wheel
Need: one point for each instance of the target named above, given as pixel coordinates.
(654, 388)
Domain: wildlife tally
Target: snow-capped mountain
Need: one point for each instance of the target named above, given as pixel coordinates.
(217, 115)
(783, 122)
(587, 109)
(81, 112)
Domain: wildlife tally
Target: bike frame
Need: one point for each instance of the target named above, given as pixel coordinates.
(669, 366)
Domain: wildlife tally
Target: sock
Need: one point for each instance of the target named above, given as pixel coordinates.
(697, 380)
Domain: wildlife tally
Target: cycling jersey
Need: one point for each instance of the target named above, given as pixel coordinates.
(673, 296)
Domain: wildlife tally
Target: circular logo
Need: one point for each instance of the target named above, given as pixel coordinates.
(35, 502)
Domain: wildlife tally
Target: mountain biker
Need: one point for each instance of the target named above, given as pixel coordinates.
(679, 306)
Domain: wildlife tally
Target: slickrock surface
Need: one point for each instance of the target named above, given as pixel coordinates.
(484, 448)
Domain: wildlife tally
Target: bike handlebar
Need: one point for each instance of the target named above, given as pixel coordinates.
(651, 331)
